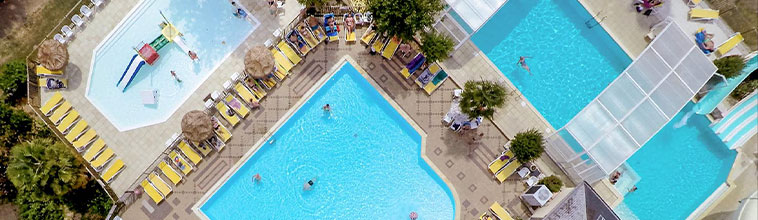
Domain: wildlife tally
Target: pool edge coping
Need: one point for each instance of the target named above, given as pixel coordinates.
(308, 94)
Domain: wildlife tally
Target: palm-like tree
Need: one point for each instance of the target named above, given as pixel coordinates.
(480, 98)
(44, 169)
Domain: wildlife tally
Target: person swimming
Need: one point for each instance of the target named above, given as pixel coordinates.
(307, 185)
(522, 62)
(256, 178)
(326, 108)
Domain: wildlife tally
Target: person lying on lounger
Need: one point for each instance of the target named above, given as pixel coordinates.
(350, 23)
(704, 41)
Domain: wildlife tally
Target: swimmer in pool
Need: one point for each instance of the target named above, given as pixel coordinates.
(307, 185)
(522, 62)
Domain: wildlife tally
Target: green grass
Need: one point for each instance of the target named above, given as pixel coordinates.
(741, 16)
(20, 41)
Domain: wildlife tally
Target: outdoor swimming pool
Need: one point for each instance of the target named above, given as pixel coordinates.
(209, 29)
(364, 154)
(570, 63)
(679, 168)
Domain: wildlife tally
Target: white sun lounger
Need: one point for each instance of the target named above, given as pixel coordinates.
(66, 30)
(60, 38)
(77, 20)
(86, 11)
(97, 3)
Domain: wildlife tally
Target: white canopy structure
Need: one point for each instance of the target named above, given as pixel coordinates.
(473, 13)
(633, 108)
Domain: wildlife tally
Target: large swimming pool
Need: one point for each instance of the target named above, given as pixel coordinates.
(570, 62)
(209, 29)
(364, 155)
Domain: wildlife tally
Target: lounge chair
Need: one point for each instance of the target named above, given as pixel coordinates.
(693, 3)
(170, 172)
(86, 11)
(191, 154)
(300, 44)
(280, 73)
(316, 30)
(701, 37)
(82, 142)
(349, 35)
(500, 212)
(42, 71)
(222, 132)
(497, 164)
(412, 66)
(379, 44)
(67, 31)
(97, 3)
(180, 162)
(227, 114)
(509, 169)
(729, 44)
(94, 150)
(77, 130)
(308, 35)
(332, 32)
(216, 142)
(67, 121)
(203, 147)
(151, 191)
(235, 104)
(159, 184)
(703, 14)
(102, 159)
(368, 35)
(436, 82)
(113, 170)
(428, 75)
(78, 21)
(60, 112)
(245, 93)
(60, 38)
(391, 47)
(281, 60)
(289, 52)
(268, 81)
(51, 103)
(52, 83)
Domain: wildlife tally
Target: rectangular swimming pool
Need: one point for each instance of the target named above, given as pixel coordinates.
(363, 155)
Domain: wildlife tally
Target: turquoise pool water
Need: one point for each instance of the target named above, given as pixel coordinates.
(365, 156)
(571, 63)
(679, 168)
(209, 29)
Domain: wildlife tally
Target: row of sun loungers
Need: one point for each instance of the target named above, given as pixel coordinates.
(77, 20)
(76, 131)
(504, 165)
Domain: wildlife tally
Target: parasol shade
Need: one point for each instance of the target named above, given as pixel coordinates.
(52, 55)
(259, 61)
(197, 126)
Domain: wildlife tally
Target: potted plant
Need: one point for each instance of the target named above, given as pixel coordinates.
(552, 182)
(436, 46)
(528, 145)
(480, 98)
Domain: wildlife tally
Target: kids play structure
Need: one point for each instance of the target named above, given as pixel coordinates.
(148, 53)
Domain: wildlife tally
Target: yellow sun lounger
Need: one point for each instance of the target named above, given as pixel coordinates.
(498, 164)
(191, 154)
(51, 103)
(245, 93)
(379, 44)
(76, 131)
(436, 82)
(269, 82)
(94, 150)
(223, 133)
(151, 191)
(282, 61)
(235, 104)
(41, 70)
(500, 212)
(703, 14)
(68, 121)
(102, 159)
(349, 35)
(169, 172)
(223, 111)
(367, 36)
(113, 170)
(309, 38)
(159, 184)
(203, 147)
(391, 47)
(81, 143)
(180, 162)
(280, 73)
(43, 82)
(508, 170)
(60, 112)
(729, 44)
(289, 52)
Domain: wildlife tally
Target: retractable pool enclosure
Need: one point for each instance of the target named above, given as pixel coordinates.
(463, 18)
(633, 108)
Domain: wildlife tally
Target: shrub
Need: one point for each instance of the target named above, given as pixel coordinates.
(744, 89)
(13, 81)
(44, 170)
(436, 46)
(480, 98)
(14, 124)
(32, 209)
(403, 18)
(312, 3)
(90, 200)
(552, 182)
(528, 145)
(729, 66)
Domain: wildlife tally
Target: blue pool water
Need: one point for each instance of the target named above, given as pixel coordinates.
(571, 63)
(365, 156)
(679, 168)
(209, 29)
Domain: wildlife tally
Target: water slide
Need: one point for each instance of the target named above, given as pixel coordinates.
(740, 123)
(179, 42)
(131, 70)
(709, 102)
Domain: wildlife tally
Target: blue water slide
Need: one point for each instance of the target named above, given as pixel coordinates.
(130, 71)
(709, 102)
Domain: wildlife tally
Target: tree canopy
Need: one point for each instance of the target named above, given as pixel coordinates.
(480, 98)
(403, 18)
(13, 81)
(528, 145)
(44, 169)
(436, 46)
(309, 3)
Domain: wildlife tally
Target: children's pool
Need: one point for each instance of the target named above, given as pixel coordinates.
(209, 29)
(363, 154)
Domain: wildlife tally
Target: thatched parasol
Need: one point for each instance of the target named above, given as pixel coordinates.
(197, 126)
(52, 55)
(259, 61)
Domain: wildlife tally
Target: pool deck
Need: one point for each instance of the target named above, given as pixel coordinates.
(742, 182)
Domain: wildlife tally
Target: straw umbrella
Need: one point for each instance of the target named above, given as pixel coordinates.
(259, 61)
(197, 126)
(52, 55)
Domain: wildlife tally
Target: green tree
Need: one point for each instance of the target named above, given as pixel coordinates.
(13, 81)
(90, 200)
(729, 66)
(552, 182)
(14, 125)
(403, 18)
(745, 88)
(436, 46)
(480, 98)
(312, 3)
(44, 170)
(32, 209)
(528, 145)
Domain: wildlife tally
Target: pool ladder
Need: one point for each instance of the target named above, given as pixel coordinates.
(592, 22)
